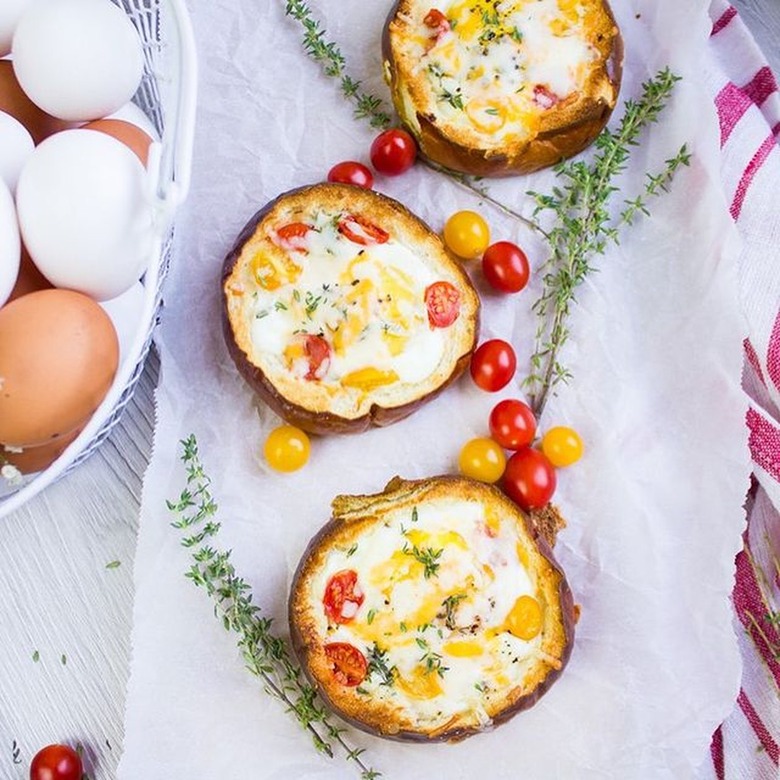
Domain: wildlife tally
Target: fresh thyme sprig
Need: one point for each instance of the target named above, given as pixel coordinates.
(328, 54)
(377, 664)
(583, 226)
(427, 556)
(264, 652)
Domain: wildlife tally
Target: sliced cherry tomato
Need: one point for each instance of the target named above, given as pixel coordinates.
(314, 350)
(287, 448)
(393, 152)
(493, 365)
(482, 459)
(544, 98)
(443, 302)
(435, 19)
(342, 597)
(293, 236)
(506, 267)
(529, 479)
(467, 234)
(360, 231)
(56, 762)
(348, 664)
(350, 172)
(512, 424)
(562, 446)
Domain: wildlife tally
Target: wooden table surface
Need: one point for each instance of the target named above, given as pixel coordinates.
(66, 576)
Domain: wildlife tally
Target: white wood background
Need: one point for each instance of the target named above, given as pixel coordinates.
(59, 603)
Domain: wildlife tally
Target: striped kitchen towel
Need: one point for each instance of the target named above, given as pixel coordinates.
(748, 105)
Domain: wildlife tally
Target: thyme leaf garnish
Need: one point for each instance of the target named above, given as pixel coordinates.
(264, 652)
(427, 556)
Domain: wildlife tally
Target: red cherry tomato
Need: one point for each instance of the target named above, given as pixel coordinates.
(435, 19)
(493, 365)
(342, 597)
(350, 172)
(348, 664)
(317, 352)
(360, 231)
(512, 424)
(544, 97)
(443, 302)
(393, 152)
(529, 479)
(293, 236)
(56, 762)
(506, 267)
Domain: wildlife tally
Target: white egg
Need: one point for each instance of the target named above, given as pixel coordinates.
(10, 245)
(83, 212)
(77, 59)
(16, 145)
(126, 312)
(132, 114)
(10, 13)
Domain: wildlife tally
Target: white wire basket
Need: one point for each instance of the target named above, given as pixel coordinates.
(167, 97)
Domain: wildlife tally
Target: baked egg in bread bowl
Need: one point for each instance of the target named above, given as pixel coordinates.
(500, 87)
(343, 310)
(430, 611)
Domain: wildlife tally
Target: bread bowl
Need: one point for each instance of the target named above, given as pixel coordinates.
(343, 310)
(500, 87)
(430, 611)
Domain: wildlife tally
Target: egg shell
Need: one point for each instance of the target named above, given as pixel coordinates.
(131, 113)
(83, 213)
(32, 459)
(29, 279)
(10, 245)
(10, 13)
(16, 145)
(131, 136)
(15, 102)
(126, 312)
(58, 357)
(78, 60)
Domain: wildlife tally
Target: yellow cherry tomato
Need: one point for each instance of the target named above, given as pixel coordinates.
(467, 234)
(562, 446)
(525, 618)
(482, 459)
(287, 448)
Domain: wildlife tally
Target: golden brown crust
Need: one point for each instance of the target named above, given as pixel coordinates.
(563, 130)
(311, 406)
(352, 517)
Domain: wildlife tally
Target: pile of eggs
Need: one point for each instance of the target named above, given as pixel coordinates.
(75, 218)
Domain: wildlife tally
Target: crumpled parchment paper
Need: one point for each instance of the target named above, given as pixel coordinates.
(654, 508)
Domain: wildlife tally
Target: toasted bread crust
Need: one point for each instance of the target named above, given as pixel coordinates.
(352, 516)
(564, 130)
(310, 408)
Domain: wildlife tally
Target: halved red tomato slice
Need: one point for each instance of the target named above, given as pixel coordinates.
(437, 21)
(443, 302)
(342, 597)
(293, 236)
(312, 349)
(544, 97)
(348, 664)
(360, 231)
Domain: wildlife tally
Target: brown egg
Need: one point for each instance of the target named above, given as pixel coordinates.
(33, 459)
(58, 357)
(30, 278)
(130, 135)
(14, 102)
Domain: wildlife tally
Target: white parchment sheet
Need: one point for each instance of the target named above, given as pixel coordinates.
(654, 508)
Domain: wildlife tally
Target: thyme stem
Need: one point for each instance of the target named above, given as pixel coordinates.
(264, 652)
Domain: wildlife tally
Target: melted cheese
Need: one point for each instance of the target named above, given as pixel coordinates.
(448, 602)
(502, 64)
(367, 302)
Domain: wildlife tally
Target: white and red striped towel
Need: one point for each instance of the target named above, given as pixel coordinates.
(748, 105)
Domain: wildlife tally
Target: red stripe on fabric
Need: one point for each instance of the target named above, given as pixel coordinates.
(716, 752)
(776, 130)
(751, 609)
(752, 358)
(759, 158)
(764, 442)
(761, 86)
(773, 353)
(727, 16)
(761, 731)
(732, 104)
